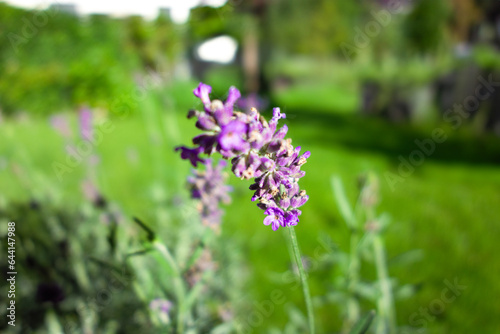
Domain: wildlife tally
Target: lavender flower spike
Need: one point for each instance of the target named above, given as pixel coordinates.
(258, 150)
(209, 187)
(86, 123)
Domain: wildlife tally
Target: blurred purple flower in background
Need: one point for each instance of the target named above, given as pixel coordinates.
(258, 150)
(209, 186)
(160, 305)
(86, 123)
(252, 100)
(92, 194)
(61, 124)
(161, 308)
(203, 264)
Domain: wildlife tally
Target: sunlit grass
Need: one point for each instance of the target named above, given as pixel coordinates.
(445, 209)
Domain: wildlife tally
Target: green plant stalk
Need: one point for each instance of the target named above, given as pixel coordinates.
(351, 220)
(353, 309)
(385, 303)
(303, 279)
(178, 284)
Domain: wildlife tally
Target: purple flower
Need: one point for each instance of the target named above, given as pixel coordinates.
(86, 123)
(233, 95)
(231, 136)
(61, 124)
(206, 122)
(292, 217)
(202, 92)
(192, 154)
(299, 199)
(223, 115)
(251, 101)
(275, 217)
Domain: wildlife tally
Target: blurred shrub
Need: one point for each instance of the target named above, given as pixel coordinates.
(311, 27)
(425, 26)
(53, 60)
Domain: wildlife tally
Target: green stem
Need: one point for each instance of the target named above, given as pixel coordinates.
(178, 284)
(353, 310)
(303, 279)
(385, 303)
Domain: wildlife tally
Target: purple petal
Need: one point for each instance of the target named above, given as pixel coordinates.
(274, 211)
(202, 92)
(191, 154)
(205, 122)
(206, 142)
(303, 158)
(292, 217)
(223, 116)
(230, 137)
(297, 200)
(233, 95)
(239, 166)
(281, 133)
(254, 160)
(285, 203)
(268, 220)
(276, 225)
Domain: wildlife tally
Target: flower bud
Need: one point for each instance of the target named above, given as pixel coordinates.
(299, 200)
(284, 201)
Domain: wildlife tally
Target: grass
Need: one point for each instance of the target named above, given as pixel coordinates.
(445, 208)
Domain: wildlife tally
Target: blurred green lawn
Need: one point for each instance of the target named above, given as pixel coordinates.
(446, 208)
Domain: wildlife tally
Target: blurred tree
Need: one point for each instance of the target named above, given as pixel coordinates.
(316, 27)
(52, 60)
(425, 26)
(167, 43)
(139, 35)
(206, 22)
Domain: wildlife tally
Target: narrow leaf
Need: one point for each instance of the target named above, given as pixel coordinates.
(363, 324)
(342, 202)
(151, 235)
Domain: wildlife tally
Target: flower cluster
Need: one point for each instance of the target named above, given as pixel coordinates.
(210, 188)
(258, 150)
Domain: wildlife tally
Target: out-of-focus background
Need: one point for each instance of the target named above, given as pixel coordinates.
(406, 89)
